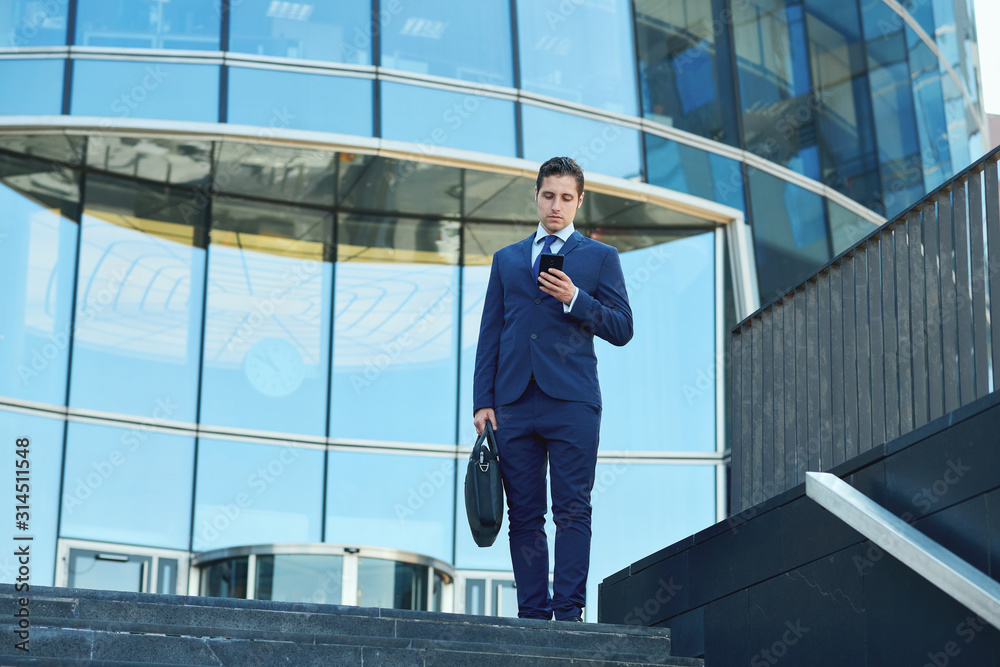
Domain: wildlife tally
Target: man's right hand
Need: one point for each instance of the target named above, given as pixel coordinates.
(482, 414)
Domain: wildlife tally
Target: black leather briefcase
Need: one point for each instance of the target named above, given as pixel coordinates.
(484, 489)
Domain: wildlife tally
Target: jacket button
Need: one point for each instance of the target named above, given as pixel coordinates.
(537, 301)
(534, 336)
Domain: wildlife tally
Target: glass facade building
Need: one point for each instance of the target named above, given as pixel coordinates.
(244, 249)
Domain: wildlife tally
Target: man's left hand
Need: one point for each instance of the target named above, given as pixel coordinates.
(558, 284)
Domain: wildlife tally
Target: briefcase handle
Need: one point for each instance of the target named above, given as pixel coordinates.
(489, 435)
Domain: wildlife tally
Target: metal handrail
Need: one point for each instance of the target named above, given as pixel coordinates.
(953, 575)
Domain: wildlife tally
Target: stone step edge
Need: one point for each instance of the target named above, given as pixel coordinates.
(398, 627)
(249, 637)
(71, 594)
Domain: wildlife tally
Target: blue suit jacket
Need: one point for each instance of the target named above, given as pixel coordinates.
(524, 331)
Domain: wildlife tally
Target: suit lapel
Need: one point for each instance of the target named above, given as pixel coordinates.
(526, 249)
(574, 241)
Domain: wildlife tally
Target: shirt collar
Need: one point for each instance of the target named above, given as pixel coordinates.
(563, 234)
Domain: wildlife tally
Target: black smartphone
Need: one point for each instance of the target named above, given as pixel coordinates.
(549, 261)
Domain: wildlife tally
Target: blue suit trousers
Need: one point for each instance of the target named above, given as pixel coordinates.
(534, 431)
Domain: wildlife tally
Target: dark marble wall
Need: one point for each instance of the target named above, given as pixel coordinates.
(786, 582)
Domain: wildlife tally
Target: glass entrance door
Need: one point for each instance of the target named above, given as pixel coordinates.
(110, 571)
(117, 567)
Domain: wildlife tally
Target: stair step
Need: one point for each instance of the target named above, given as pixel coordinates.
(121, 628)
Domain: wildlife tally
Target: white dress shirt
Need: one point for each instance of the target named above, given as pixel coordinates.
(561, 237)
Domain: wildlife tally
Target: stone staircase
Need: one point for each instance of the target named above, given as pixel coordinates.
(77, 627)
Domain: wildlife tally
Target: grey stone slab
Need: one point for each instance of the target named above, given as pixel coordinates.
(153, 648)
(266, 654)
(46, 642)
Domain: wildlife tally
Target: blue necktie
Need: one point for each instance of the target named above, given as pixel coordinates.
(547, 248)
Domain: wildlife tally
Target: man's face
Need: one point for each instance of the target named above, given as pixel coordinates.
(557, 202)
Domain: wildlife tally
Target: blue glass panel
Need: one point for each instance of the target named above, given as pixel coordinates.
(693, 171)
(668, 369)
(442, 118)
(149, 24)
(128, 485)
(267, 318)
(474, 282)
(685, 67)
(387, 500)
(597, 146)
(31, 23)
(292, 100)
(37, 262)
(145, 90)
(39, 84)
(44, 456)
(899, 148)
(846, 227)
(775, 85)
(638, 510)
(790, 233)
(253, 494)
(445, 38)
(395, 335)
(843, 110)
(139, 300)
(580, 53)
(337, 31)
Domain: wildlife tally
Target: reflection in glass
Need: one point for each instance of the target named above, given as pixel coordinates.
(110, 495)
(300, 578)
(379, 184)
(139, 300)
(693, 171)
(790, 233)
(892, 105)
(39, 86)
(685, 66)
(108, 572)
(127, 89)
(267, 318)
(843, 116)
(775, 86)
(444, 38)
(439, 118)
(225, 579)
(299, 101)
(846, 227)
(668, 368)
(390, 585)
(37, 260)
(174, 161)
(389, 500)
(32, 23)
(336, 31)
(580, 56)
(684, 504)
(45, 454)
(276, 172)
(148, 24)
(597, 146)
(394, 336)
(247, 493)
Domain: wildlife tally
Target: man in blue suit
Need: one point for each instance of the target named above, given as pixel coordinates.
(536, 383)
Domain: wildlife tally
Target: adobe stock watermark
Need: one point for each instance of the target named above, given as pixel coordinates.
(35, 16)
(408, 339)
(263, 310)
(924, 500)
(96, 303)
(418, 495)
(773, 654)
(647, 613)
(88, 483)
(967, 630)
(259, 481)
